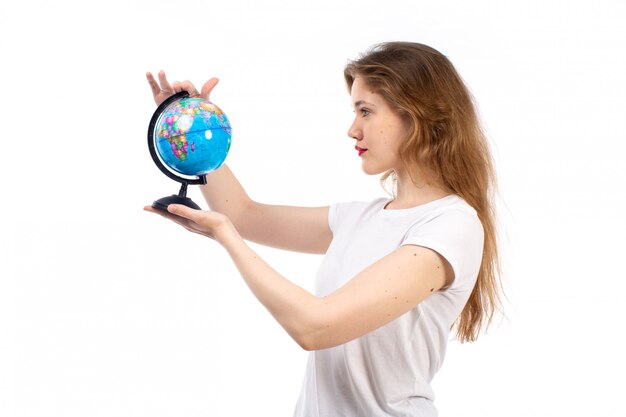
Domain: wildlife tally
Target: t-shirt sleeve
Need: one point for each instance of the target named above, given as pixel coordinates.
(458, 236)
(334, 211)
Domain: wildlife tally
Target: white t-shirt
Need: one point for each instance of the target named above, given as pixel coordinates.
(388, 371)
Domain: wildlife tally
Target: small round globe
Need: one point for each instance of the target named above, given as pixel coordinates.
(192, 136)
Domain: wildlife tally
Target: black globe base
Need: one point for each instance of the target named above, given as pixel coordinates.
(181, 198)
(162, 203)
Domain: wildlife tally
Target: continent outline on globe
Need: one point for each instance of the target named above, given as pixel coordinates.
(192, 136)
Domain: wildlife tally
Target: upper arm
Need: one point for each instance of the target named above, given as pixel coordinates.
(301, 229)
(377, 295)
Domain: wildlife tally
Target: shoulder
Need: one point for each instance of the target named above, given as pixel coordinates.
(455, 231)
(449, 212)
(453, 203)
(451, 219)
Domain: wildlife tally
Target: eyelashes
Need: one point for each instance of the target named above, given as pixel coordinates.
(363, 111)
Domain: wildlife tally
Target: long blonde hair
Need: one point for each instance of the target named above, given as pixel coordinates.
(446, 141)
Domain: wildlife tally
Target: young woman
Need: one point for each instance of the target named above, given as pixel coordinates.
(398, 272)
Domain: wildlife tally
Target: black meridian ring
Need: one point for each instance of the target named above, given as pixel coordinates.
(155, 156)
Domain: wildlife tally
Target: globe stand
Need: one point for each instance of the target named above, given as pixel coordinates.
(181, 198)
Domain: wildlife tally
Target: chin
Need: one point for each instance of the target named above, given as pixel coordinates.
(371, 170)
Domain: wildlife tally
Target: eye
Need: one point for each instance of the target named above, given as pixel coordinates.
(364, 111)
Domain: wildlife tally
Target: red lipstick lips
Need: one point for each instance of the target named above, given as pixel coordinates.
(361, 151)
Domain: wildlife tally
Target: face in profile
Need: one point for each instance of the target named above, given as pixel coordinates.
(377, 128)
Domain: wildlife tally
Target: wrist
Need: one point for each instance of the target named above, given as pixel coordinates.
(226, 233)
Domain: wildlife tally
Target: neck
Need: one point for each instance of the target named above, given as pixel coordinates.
(414, 192)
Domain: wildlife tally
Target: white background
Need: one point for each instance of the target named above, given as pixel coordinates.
(106, 310)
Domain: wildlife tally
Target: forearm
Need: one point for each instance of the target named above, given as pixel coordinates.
(303, 229)
(223, 193)
(293, 307)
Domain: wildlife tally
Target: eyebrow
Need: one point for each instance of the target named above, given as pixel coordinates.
(362, 102)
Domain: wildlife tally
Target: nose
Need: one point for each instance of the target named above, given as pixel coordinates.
(354, 132)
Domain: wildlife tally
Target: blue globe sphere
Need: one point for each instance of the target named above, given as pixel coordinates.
(192, 136)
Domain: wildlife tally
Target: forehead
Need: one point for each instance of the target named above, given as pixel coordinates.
(361, 92)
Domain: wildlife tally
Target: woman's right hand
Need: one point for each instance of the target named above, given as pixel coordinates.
(162, 89)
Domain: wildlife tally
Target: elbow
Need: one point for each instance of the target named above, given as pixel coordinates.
(315, 328)
(314, 336)
(308, 343)
(305, 346)
(319, 341)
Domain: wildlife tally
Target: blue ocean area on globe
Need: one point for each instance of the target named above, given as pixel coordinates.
(193, 136)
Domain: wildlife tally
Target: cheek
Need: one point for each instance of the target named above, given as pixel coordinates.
(395, 138)
(394, 131)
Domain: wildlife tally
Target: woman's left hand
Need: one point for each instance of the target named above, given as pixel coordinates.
(206, 223)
